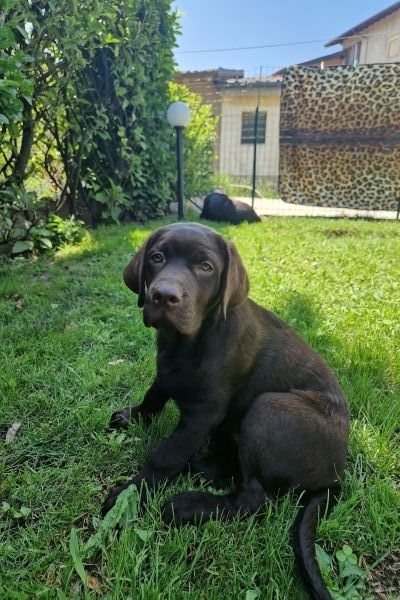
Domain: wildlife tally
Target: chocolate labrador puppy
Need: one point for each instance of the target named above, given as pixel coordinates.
(218, 207)
(273, 412)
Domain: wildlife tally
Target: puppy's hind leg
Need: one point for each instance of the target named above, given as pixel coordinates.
(199, 507)
(220, 466)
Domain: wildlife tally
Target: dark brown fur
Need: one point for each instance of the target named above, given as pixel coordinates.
(275, 414)
(218, 207)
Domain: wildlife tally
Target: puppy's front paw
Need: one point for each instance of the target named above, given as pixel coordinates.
(120, 419)
(112, 498)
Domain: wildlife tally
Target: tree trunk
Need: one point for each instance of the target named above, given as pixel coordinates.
(28, 129)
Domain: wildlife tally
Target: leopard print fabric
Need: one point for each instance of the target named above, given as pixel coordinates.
(340, 136)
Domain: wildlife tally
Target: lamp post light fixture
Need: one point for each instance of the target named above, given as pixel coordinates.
(178, 115)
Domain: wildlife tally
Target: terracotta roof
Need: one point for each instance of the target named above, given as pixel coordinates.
(365, 24)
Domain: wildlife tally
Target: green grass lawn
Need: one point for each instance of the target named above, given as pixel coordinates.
(73, 349)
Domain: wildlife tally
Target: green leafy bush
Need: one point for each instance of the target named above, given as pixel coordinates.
(15, 86)
(83, 101)
(199, 136)
(65, 231)
(25, 226)
(22, 223)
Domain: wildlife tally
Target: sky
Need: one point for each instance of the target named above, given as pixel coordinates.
(262, 36)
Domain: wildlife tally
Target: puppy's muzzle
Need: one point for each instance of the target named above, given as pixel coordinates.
(165, 295)
(163, 305)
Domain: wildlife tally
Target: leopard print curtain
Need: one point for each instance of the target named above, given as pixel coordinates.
(340, 136)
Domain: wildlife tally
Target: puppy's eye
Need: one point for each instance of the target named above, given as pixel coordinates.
(206, 266)
(157, 257)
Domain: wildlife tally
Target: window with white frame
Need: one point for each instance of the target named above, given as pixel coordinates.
(250, 122)
(393, 47)
(353, 54)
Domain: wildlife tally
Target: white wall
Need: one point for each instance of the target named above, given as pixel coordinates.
(236, 159)
(374, 41)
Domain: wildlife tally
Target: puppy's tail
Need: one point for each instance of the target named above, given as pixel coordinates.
(316, 505)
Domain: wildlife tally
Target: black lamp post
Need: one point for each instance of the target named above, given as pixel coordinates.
(178, 115)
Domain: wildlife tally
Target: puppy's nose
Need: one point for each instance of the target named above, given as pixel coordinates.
(166, 294)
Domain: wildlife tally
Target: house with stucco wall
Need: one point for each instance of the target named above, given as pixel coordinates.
(235, 98)
(375, 40)
(250, 116)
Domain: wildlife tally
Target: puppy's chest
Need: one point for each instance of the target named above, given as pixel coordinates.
(180, 374)
(185, 378)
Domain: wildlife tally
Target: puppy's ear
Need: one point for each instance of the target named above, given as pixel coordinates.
(234, 282)
(134, 272)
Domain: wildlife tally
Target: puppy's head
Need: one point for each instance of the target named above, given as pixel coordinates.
(182, 273)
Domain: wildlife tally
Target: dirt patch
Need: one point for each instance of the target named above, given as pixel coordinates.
(384, 581)
(339, 232)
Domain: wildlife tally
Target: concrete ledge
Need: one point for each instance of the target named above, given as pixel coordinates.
(272, 207)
